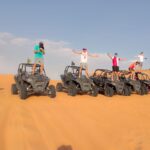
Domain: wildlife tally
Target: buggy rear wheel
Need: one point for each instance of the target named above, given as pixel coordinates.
(14, 89)
(141, 91)
(145, 88)
(52, 91)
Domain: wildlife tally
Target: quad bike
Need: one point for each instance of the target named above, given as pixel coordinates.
(138, 86)
(28, 84)
(144, 79)
(102, 79)
(73, 84)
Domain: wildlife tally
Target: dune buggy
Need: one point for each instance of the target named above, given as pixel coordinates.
(144, 79)
(138, 86)
(108, 87)
(28, 84)
(72, 84)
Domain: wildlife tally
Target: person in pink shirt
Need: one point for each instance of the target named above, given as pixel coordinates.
(115, 65)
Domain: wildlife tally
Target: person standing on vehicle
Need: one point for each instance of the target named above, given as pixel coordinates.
(84, 60)
(39, 51)
(141, 60)
(132, 69)
(115, 65)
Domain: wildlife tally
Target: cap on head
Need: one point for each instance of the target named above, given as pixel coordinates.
(116, 54)
(84, 49)
(142, 53)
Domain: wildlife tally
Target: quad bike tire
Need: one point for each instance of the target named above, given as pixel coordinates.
(94, 91)
(52, 91)
(142, 90)
(130, 89)
(126, 91)
(59, 87)
(109, 91)
(145, 89)
(14, 89)
(72, 91)
(22, 92)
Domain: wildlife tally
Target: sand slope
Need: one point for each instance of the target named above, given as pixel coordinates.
(79, 123)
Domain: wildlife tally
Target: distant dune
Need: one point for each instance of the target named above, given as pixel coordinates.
(73, 123)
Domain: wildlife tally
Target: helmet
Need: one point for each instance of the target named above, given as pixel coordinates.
(84, 49)
(142, 53)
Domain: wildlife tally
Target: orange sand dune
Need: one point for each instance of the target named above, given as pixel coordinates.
(78, 123)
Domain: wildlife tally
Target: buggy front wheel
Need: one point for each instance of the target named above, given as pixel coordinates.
(72, 91)
(23, 92)
(108, 91)
(59, 87)
(126, 91)
(94, 91)
(52, 91)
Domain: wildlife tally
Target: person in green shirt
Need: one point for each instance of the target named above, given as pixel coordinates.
(38, 56)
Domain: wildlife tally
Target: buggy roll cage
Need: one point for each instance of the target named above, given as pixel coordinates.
(23, 67)
(103, 72)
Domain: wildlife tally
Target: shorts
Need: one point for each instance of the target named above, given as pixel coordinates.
(141, 64)
(39, 61)
(84, 65)
(115, 68)
(131, 69)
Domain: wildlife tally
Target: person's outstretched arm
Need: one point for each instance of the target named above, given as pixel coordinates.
(93, 55)
(122, 59)
(109, 55)
(76, 52)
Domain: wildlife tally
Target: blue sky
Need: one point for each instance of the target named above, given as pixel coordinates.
(102, 26)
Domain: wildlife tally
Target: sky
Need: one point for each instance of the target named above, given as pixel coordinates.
(101, 26)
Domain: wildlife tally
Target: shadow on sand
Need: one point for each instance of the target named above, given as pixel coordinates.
(65, 147)
(1, 89)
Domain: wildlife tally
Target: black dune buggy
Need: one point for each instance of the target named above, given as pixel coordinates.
(102, 79)
(144, 79)
(72, 84)
(28, 84)
(138, 86)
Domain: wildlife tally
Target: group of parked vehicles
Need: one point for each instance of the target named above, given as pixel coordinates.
(100, 82)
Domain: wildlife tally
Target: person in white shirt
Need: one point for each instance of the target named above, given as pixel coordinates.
(141, 60)
(84, 60)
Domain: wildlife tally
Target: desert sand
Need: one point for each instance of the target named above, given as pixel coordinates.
(73, 123)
